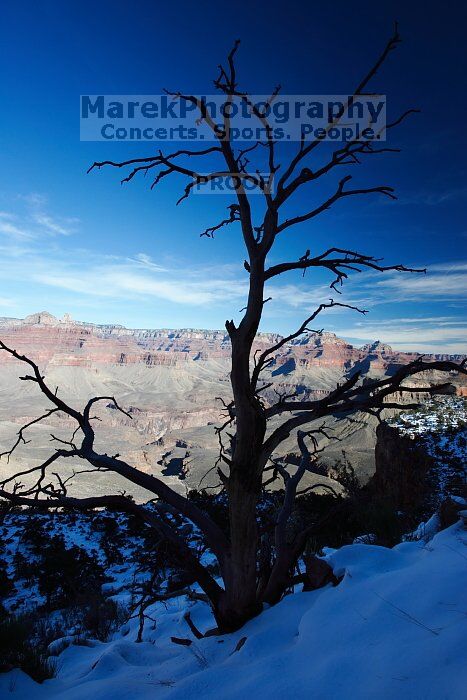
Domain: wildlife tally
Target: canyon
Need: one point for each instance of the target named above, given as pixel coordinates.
(170, 382)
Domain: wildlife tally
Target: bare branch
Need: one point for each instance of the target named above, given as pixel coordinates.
(292, 482)
(346, 155)
(340, 193)
(344, 262)
(39, 379)
(41, 468)
(260, 363)
(121, 503)
(348, 398)
(213, 533)
(305, 150)
(234, 216)
(96, 399)
(20, 439)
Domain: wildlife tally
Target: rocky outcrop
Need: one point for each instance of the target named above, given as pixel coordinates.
(421, 458)
(402, 470)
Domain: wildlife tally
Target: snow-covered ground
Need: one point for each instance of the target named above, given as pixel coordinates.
(395, 627)
(437, 415)
(77, 529)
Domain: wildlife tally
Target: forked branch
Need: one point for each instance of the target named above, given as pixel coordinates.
(262, 360)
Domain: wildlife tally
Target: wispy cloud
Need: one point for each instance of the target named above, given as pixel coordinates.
(140, 279)
(123, 278)
(63, 227)
(447, 281)
(35, 246)
(434, 198)
(6, 303)
(33, 199)
(422, 334)
(11, 229)
(35, 221)
(443, 282)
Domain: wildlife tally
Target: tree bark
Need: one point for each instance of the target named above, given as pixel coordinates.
(240, 602)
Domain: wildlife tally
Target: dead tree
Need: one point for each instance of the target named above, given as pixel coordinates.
(247, 445)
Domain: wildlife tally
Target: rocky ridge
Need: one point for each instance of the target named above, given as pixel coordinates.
(65, 342)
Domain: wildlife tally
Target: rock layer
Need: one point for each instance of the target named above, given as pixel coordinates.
(64, 342)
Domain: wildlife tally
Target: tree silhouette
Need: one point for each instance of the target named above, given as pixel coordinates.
(248, 440)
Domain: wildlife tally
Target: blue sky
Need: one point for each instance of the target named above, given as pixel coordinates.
(82, 244)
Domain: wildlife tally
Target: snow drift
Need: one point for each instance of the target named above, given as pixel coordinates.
(394, 628)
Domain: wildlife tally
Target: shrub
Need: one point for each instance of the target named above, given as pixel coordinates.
(21, 647)
(65, 573)
(24, 568)
(6, 584)
(102, 616)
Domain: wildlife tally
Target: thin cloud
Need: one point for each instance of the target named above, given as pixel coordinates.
(445, 282)
(6, 303)
(62, 227)
(34, 199)
(32, 248)
(126, 279)
(12, 230)
(140, 279)
(35, 221)
(438, 320)
(434, 198)
(433, 286)
(457, 266)
(120, 281)
(429, 334)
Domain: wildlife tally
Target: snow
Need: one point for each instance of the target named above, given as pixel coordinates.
(77, 529)
(395, 627)
(437, 415)
(425, 531)
(439, 427)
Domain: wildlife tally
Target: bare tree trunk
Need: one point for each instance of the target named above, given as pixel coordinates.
(239, 603)
(244, 483)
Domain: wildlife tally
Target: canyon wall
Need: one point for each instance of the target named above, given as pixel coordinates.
(64, 342)
(168, 381)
